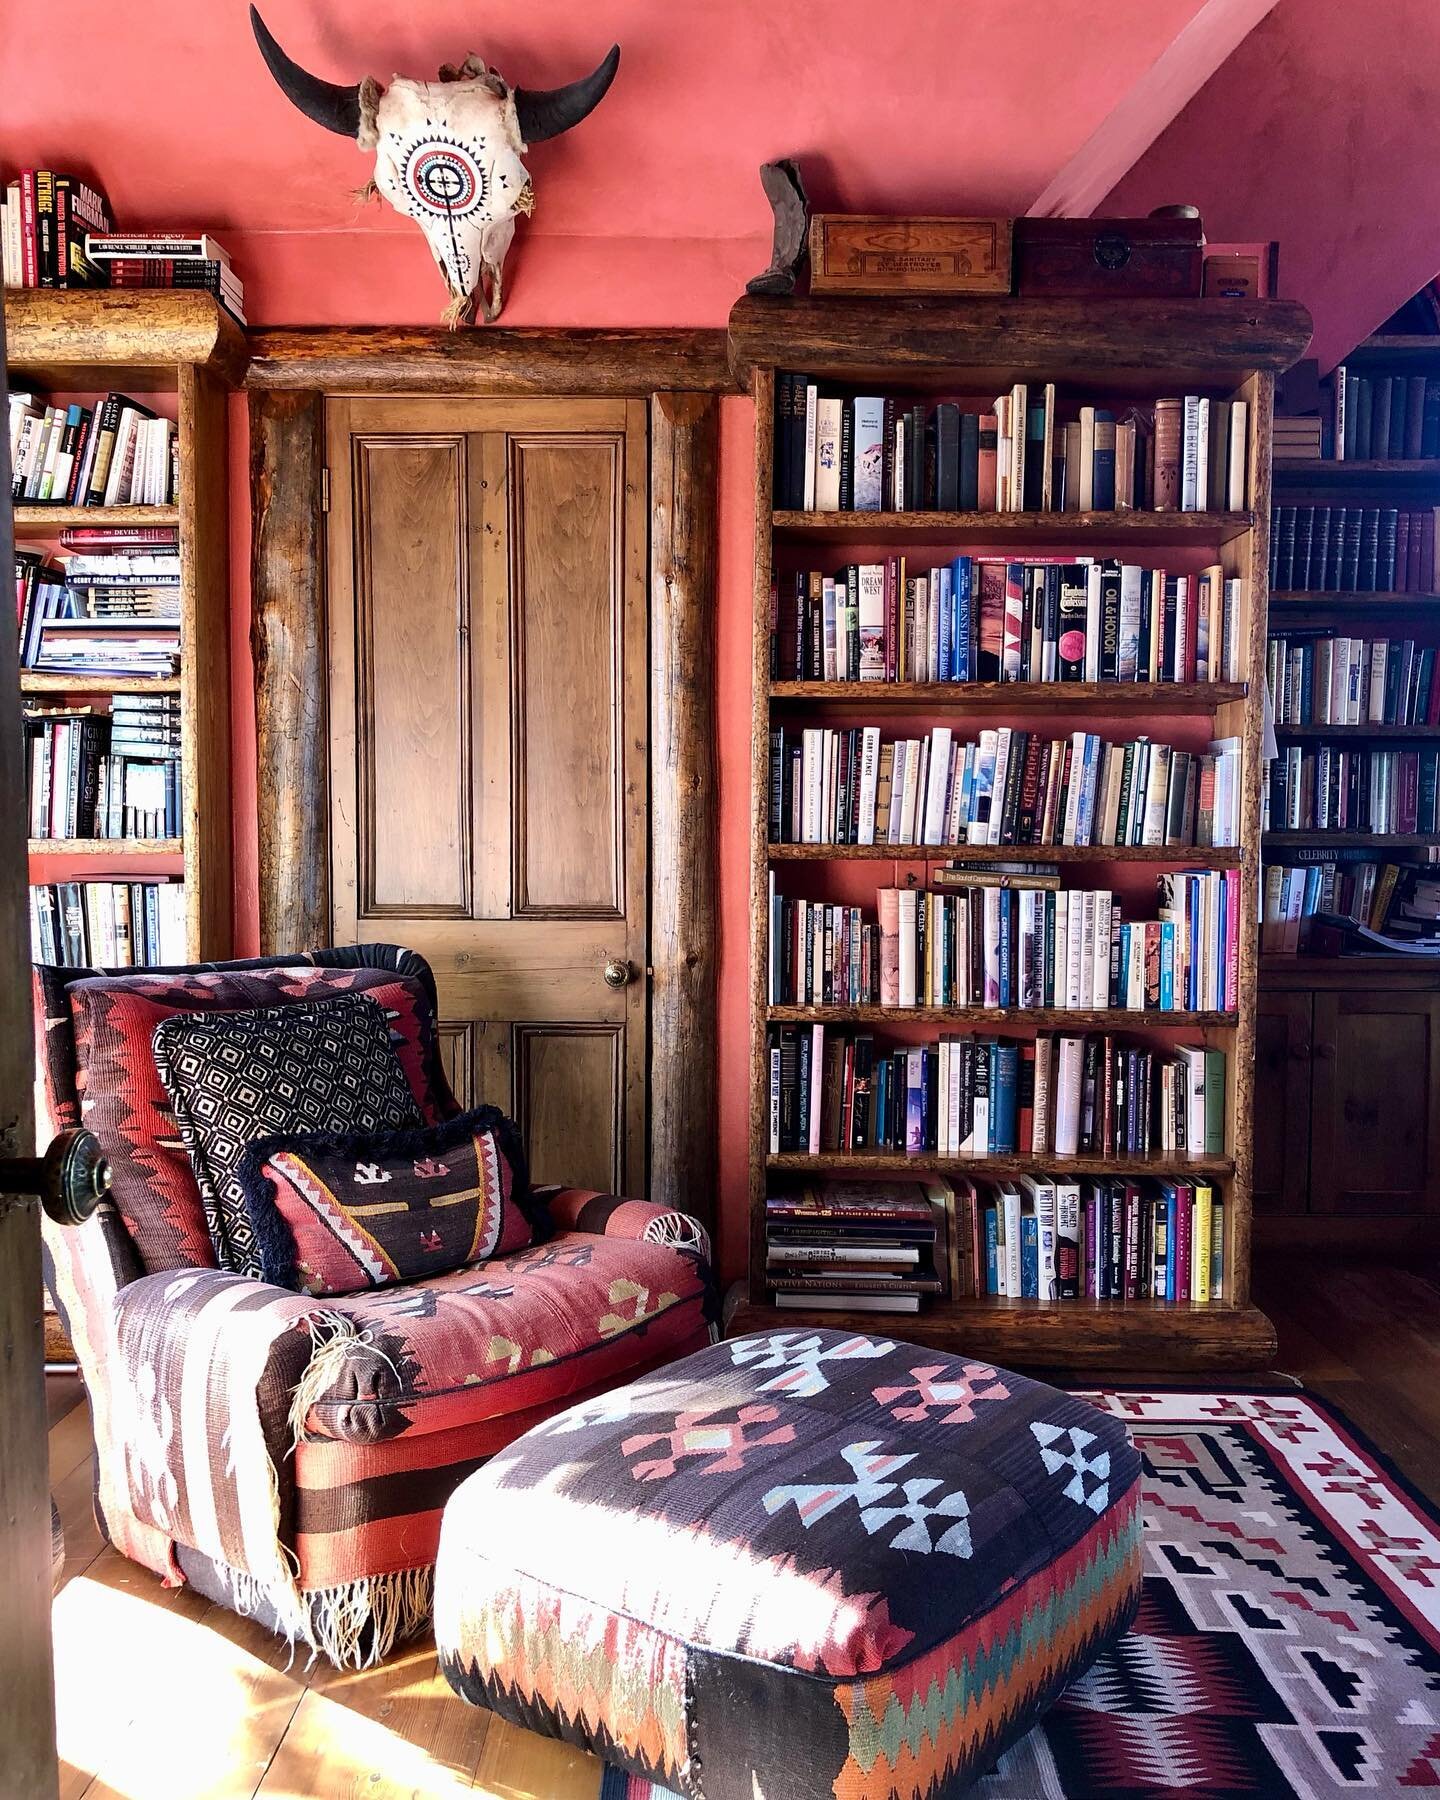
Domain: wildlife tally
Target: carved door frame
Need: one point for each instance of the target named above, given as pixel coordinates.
(679, 374)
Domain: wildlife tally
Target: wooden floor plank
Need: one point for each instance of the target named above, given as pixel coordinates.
(518, 1765)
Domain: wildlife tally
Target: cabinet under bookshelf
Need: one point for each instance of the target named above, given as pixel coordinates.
(1229, 352)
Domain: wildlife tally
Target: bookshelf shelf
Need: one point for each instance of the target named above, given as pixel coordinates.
(1353, 472)
(1352, 601)
(1174, 854)
(1113, 1018)
(42, 520)
(34, 681)
(899, 1163)
(146, 342)
(1016, 696)
(116, 847)
(975, 349)
(1032, 529)
(1347, 840)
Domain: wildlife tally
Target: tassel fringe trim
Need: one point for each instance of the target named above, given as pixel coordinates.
(354, 1626)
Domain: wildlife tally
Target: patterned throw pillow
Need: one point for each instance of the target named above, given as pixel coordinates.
(237, 1076)
(334, 1215)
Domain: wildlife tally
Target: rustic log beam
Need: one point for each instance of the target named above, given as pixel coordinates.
(684, 447)
(287, 641)
(368, 359)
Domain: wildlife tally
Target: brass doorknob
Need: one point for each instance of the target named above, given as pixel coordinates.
(618, 974)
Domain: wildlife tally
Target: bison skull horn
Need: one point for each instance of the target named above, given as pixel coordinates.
(447, 152)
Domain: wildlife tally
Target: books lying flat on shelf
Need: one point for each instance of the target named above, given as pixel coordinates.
(1048, 1238)
(1005, 787)
(45, 218)
(103, 612)
(1323, 678)
(985, 619)
(1025, 946)
(1030, 451)
(1296, 440)
(116, 453)
(1383, 418)
(93, 775)
(883, 1241)
(1336, 787)
(144, 647)
(1400, 902)
(1352, 549)
(837, 1091)
(108, 924)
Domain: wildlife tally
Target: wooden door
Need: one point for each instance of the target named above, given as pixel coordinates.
(27, 1739)
(488, 746)
(1282, 1102)
(1375, 1142)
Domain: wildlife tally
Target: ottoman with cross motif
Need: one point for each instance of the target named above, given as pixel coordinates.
(798, 1564)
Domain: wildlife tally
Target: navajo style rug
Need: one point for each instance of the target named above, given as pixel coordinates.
(1288, 1642)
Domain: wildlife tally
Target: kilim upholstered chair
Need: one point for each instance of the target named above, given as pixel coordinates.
(288, 1456)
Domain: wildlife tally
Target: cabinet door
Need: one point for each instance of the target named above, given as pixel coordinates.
(1282, 1103)
(1376, 1135)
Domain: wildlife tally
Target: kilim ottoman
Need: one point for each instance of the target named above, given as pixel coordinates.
(795, 1565)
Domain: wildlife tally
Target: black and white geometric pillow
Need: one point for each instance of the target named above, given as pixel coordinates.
(233, 1077)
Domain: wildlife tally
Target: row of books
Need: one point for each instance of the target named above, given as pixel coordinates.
(46, 216)
(1352, 549)
(1321, 678)
(93, 775)
(1398, 899)
(984, 619)
(882, 1247)
(838, 1091)
(116, 453)
(108, 924)
(1384, 418)
(1028, 946)
(846, 786)
(1333, 787)
(885, 1246)
(838, 452)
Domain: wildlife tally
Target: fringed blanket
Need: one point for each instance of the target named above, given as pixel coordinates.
(210, 1370)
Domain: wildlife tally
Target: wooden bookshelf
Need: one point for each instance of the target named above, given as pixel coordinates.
(148, 342)
(977, 349)
(1348, 1132)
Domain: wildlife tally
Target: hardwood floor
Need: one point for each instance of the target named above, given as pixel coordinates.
(162, 1696)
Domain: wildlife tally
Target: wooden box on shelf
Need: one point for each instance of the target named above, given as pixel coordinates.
(153, 342)
(975, 348)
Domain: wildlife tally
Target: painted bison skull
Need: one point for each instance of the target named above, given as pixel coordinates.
(447, 153)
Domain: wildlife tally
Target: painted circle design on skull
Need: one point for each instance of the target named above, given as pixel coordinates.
(444, 178)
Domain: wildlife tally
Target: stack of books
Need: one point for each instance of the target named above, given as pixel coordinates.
(117, 453)
(1322, 678)
(108, 924)
(165, 259)
(1296, 440)
(989, 1096)
(1027, 943)
(101, 610)
(1337, 787)
(1384, 418)
(843, 452)
(45, 219)
(858, 1246)
(846, 786)
(1047, 1238)
(1353, 549)
(985, 619)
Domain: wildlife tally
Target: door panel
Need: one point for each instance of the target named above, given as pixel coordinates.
(413, 677)
(488, 745)
(1376, 1103)
(1282, 1103)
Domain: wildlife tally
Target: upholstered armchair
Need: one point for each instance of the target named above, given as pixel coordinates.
(289, 1455)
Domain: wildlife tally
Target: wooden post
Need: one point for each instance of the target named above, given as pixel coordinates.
(684, 442)
(287, 641)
